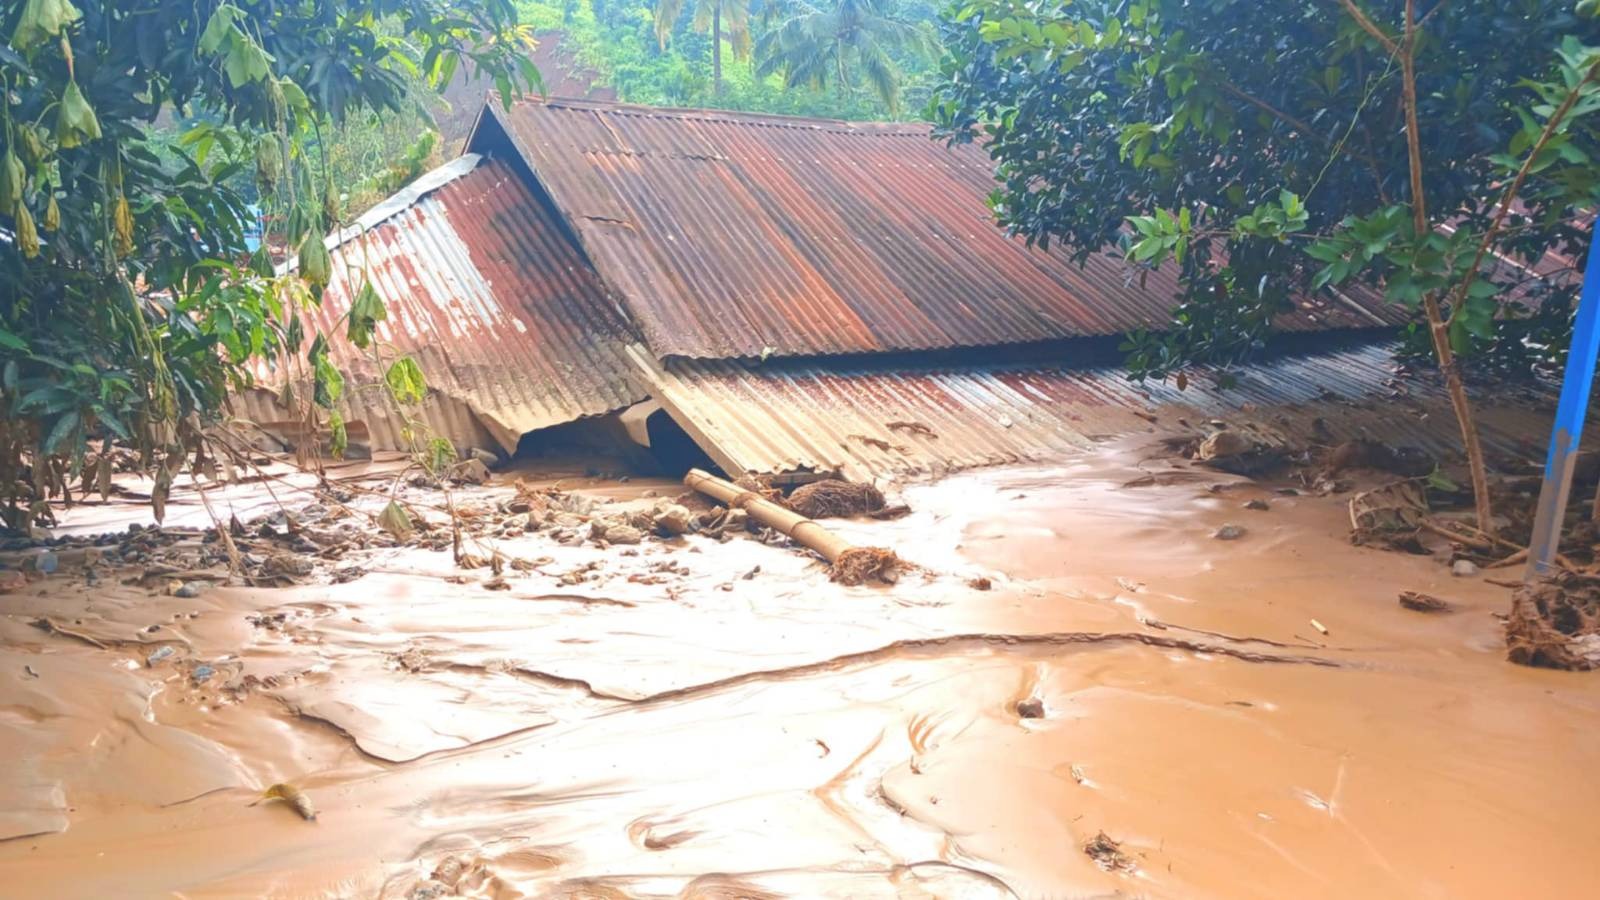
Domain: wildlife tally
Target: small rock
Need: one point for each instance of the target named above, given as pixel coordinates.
(1031, 708)
(623, 534)
(471, 471)
(1222, 445)
(479, 455)
(1463, 568)
(673, 519)
(1229, 533)
(980, 583)
(188, 590)
(1257, 504)
(287, 565)
(497, 583)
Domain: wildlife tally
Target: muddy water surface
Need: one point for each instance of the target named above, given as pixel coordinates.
(717, 720)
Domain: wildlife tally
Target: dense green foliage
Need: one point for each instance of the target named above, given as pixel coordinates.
(128, 307)
(618, 39)
(842, 43)
(1262, 147)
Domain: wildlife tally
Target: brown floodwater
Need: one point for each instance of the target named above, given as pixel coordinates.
(717, 720)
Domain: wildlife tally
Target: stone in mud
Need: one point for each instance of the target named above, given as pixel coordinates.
(1031, 708)
(673, 519)
(1222, 445)
(1463, 568)
(1258, 505)
(1229, 532)
(188, 590)
(288, 565)
(623, 534)
(471, 471)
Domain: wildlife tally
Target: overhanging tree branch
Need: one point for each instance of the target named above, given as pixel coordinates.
(1510, 195)
(1369, 26)
(1294, 122)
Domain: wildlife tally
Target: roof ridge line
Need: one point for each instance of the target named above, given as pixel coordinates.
(867, 127)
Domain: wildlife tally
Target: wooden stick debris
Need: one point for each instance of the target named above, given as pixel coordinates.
(851, 564)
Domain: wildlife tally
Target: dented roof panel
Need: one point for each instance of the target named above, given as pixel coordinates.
(905, 421)
(511, 329)
(735, 235)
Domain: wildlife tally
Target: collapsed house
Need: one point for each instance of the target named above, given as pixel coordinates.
(801, 295)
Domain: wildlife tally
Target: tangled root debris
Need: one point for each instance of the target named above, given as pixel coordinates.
(1555, 624)
(758, 486)
(831, 498)
(861, 564)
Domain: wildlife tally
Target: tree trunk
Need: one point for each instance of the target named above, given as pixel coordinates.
(716, 49)
(1448, 364)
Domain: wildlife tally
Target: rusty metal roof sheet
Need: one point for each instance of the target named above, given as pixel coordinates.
(741, 235)
(506, 319)
(869, 420)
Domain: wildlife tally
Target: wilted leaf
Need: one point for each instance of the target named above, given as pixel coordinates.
(394, 520)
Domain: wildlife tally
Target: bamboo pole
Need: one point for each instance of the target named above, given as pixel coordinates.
(851, 564)
(791, 523)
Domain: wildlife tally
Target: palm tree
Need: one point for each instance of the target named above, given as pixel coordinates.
(812, 44)
(710, 16)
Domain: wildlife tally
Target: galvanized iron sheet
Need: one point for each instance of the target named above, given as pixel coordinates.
(736, 235)
(509, 325)
(896, 422)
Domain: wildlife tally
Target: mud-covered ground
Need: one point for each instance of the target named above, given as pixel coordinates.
(1133, 707)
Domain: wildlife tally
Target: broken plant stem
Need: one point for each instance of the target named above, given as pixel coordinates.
(235, 562)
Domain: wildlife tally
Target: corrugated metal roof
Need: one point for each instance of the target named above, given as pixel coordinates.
(506, 319)
(886, 421)
(740, 235)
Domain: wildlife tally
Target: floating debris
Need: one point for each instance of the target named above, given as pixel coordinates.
(293, 796)
(1108, 854)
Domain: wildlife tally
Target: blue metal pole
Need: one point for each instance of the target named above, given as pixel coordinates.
(1568, 429)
